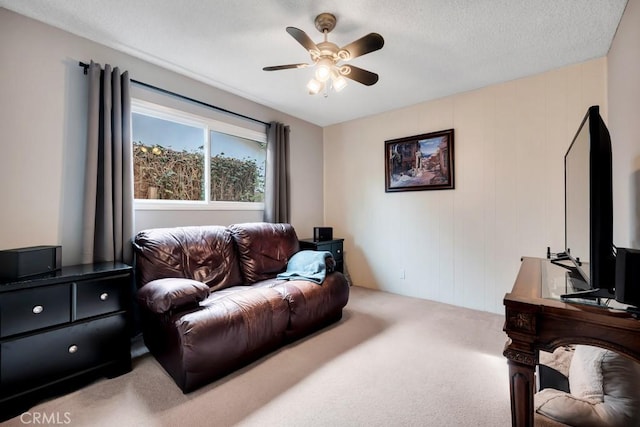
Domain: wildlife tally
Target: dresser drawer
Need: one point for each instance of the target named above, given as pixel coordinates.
(30, 309)
(49, 356)
(102, 296)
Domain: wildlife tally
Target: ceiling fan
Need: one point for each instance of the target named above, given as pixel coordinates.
(327, 57)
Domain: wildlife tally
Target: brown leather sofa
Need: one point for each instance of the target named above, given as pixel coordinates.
(210, 301)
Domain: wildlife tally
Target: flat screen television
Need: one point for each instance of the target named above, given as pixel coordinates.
(589, 210)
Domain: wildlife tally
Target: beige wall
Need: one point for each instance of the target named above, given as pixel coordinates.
(624, 124)
(461, 246)
(42, 118)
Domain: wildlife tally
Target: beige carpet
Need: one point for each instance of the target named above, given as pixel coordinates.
(391, 361)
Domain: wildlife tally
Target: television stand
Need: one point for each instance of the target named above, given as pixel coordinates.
(534, 323)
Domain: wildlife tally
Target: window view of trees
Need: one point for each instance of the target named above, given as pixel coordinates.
(236, 180)
(237, 168)
(169, 163)
(163, 173)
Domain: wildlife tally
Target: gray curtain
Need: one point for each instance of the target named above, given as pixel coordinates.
(108, 196)
(276, 203)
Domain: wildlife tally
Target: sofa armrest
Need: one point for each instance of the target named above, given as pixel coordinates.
(163, 295)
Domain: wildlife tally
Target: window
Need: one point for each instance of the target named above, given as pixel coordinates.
(237, 168)
(168, 159)
(183, 161)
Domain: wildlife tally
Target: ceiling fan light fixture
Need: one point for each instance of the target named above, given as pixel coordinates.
(338, 82)
(323, 69)
(314, 86)
(326, 57)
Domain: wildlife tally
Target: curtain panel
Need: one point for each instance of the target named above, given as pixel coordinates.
(277, 192)
(108, 227)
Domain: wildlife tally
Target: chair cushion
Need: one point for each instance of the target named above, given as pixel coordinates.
(585, 373)
(568, 409)
(605, 391)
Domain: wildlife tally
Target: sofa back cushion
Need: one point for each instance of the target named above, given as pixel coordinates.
(203, 253)
(264, 249)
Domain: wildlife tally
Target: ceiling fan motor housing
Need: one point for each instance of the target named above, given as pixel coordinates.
(328, 50)
(325, 22)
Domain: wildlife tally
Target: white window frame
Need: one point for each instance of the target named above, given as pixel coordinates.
(166, 113)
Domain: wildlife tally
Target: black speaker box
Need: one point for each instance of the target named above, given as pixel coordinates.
(321, 234)
(628, 276)
(24, 262)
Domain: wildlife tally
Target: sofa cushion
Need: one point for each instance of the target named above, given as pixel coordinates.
(163, 295)
(264, 249)
(203, 253)
(311, 305)
(242, 323)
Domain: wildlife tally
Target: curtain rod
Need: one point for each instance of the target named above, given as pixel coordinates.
(177, 95)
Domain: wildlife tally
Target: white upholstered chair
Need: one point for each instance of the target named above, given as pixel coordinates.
(604, 390)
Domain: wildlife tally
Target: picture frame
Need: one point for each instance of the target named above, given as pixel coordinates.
(420, 162)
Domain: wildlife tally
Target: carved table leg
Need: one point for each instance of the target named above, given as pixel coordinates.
(522, 386)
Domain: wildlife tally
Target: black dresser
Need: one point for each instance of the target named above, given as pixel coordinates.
(60, 329)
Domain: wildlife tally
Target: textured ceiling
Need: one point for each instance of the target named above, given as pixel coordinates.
(433, 48)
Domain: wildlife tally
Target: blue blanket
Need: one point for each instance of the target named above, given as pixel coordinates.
(307, 265)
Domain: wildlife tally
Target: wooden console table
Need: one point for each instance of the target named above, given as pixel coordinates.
(536, 319)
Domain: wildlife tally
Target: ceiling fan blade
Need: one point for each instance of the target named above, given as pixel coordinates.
(359, 75)
(302, 38)
(285, 67)
(369, 43)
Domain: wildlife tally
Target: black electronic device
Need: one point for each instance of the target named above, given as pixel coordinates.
(628, 276)
(589, 207)
(24, 262)
(322, 234)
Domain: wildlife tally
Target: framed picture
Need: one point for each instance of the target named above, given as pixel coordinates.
(420, 162)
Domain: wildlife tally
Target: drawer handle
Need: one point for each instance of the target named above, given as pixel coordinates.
(104, 296)
(37, 309)
(73, 349)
